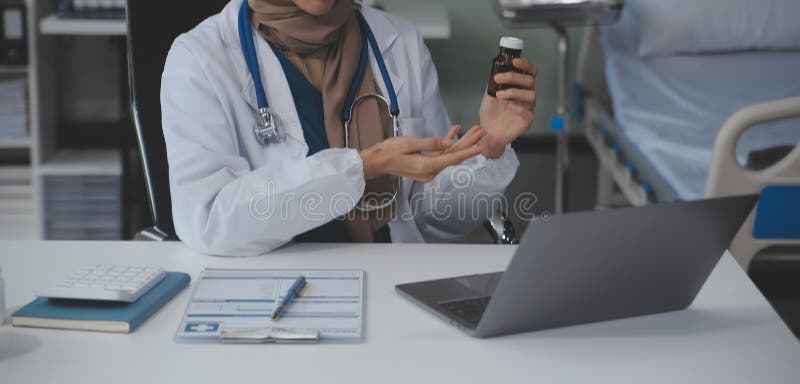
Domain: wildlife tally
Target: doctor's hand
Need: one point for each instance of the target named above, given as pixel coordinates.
(420, 159)
(510, 113)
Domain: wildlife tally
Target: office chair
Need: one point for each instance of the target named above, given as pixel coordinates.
(152, 27)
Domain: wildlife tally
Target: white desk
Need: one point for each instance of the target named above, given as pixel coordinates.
(730, 334)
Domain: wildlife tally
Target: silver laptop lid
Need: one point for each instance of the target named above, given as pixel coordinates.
(585, 267)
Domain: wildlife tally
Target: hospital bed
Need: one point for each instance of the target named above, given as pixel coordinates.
(687, 99)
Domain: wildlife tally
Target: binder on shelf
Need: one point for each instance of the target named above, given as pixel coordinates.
(92, 9)
(83, 207)
(14, 39)
(13, 107)
(16, 191)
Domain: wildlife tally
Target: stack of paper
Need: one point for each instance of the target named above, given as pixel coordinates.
(83, 208)
(15, 190)
(13, 108)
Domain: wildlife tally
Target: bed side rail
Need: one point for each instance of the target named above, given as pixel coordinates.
(728, 177)
(638, 180)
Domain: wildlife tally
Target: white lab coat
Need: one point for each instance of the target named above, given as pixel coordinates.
(233, 197)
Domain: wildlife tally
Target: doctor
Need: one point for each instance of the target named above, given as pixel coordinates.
(321, 120)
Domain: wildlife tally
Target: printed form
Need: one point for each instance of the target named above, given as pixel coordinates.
(243, 300)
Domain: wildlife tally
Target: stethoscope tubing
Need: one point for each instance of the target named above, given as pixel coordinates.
(266, 119)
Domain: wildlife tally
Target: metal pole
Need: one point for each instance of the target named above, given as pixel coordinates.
(560, 123)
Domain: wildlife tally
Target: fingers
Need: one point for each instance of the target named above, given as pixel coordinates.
(524, 96)
(448, 139)
(425, 168)
(455, 157)
(525, 83)
(516, 79)
(453, 132)
(526, 66)
(429, 144)
(472, 137)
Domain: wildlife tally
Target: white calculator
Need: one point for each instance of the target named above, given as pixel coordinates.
(105, 282)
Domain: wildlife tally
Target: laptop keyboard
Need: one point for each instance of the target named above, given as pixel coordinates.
(469, 310)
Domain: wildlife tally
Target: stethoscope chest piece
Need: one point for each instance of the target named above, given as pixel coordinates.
(266, 129)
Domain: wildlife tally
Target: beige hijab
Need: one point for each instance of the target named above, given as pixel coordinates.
(333, 42)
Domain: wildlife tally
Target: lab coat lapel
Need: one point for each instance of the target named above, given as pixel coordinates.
(386, 35)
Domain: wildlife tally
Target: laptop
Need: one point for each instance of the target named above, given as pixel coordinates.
(594, 266)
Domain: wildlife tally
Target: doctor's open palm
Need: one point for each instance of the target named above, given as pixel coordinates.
(420, 159)
(503, 119)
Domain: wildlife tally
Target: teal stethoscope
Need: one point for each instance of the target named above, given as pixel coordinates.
(266, 129)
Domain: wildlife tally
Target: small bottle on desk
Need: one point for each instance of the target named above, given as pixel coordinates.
(510, 49)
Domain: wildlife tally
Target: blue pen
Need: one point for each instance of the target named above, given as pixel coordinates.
(293, 292)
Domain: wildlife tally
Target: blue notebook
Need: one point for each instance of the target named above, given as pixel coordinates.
(102, 316)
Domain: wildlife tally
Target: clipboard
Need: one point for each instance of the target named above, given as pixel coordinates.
(235, 306)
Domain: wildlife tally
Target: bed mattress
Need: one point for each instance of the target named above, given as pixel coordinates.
(672, 107)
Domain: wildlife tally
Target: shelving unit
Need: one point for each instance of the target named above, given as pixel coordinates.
(80, 171)
(17, 181)
(72, 189)
(53, 25)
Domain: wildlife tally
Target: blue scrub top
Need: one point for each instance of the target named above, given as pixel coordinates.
(308, 101)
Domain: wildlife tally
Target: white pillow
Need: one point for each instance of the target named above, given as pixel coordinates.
(670, 27)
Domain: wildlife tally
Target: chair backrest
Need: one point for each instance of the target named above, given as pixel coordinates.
(152, 27)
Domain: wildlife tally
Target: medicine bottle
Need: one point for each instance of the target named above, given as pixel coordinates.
(510, 49)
